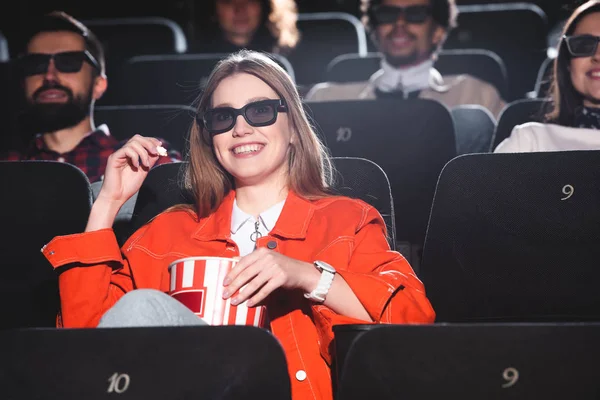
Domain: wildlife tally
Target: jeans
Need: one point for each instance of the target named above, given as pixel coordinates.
(146, 308)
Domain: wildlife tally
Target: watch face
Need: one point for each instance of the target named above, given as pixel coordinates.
(324, 266)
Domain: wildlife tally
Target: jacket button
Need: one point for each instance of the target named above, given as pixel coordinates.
(272, 244)
(300, 375)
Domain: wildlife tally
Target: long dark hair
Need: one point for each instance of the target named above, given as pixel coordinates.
(566, 100)
(278, 22)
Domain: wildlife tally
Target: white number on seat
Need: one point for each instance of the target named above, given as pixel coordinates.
(343, 134)
(511, 376)
(118, 383)
(567, 190)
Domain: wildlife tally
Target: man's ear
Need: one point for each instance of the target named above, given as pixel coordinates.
(439, 35)
(100, 85)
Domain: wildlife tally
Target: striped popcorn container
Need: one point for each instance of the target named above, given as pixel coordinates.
(197, 282)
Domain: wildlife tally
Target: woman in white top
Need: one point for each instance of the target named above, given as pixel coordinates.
(574, 122)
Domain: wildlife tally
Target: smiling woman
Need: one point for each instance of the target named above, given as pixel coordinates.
(254, 153)
(574, 120)
(261, 25)
(260, 178)
(585, 62)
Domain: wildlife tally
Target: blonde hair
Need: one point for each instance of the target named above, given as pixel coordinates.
(309, 165)
(283, 20)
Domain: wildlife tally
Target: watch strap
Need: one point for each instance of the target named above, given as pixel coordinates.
(320, 292)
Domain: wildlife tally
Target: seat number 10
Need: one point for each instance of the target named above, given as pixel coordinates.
(118, 383)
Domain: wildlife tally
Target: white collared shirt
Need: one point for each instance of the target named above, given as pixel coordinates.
(406, 80)
(243, 225)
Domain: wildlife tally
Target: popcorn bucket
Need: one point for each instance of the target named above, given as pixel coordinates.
(197, 282)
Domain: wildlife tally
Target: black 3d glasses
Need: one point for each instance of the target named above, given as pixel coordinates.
(258, 113)
(582, 45)
(390, 14)
(66, 62)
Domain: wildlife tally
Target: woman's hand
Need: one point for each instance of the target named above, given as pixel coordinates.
(125, 172)
(127, 168)
(263, 271)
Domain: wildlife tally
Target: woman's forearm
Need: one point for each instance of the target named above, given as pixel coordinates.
(102, 215)
(340, 298)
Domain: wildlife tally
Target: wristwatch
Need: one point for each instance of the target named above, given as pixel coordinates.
(327, 274)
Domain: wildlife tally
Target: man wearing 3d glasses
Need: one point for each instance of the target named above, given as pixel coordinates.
(410, 34)
(63, 73)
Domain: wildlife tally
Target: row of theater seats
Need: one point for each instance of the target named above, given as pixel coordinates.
(177, 78)
(158, 84)
(410, 139)
(519, 52)
(509, 264)
(67, 202)
(522, 48)
(383, 362)
(475, 129)
(508, 236)
(412, 155)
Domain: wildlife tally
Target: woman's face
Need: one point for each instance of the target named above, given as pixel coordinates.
(585, 71)
(239, 19)
(252, 155)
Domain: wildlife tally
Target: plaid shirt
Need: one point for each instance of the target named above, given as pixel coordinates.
(90, 155)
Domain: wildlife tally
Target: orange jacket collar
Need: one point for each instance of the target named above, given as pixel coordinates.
(292, 224)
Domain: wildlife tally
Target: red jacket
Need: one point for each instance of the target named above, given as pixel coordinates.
(348, 234)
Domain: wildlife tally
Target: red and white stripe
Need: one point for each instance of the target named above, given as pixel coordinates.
(206, 275)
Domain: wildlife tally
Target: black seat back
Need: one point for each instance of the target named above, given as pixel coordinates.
(169, 122)
(169, 78)
(10, 107)
(125, 37)
(516, 113)
(543, 81)
(474, 127)
(143, 363)
(325, 36)
(471, 361)
(522, 46)
(363, 179)
(40, 200)
(355, 177)
(411, 140)
(514, 237)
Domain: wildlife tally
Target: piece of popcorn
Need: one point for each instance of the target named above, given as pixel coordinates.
(161, 151)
